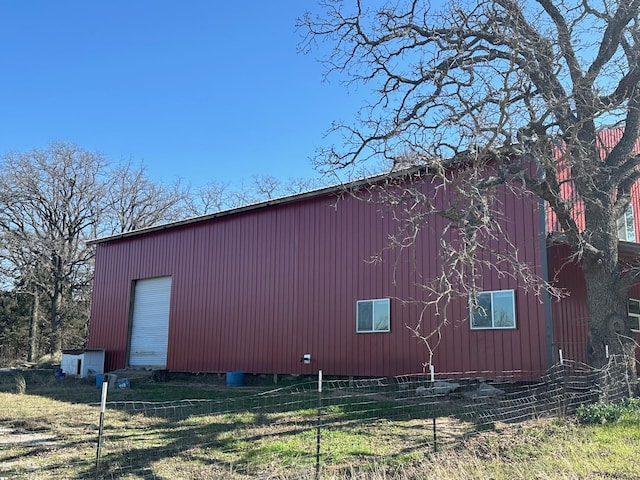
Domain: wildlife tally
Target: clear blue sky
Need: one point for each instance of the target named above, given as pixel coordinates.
(199, 89)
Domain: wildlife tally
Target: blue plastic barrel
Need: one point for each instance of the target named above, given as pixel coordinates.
(235, 378)
(99, 380)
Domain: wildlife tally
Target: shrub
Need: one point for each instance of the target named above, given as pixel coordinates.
(49, 360)
(607, 412)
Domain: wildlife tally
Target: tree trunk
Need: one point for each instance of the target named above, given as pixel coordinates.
(33, 334)
(55, 345)
(610, 336)
(610, 342)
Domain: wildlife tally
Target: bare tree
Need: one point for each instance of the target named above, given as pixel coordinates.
(14, 327)
(51, 202)
(217, 196)
(133, 201)
(19, 261)
(259, 188)
(210, 198)
(267, 187)
(295, 185)
(503, 93)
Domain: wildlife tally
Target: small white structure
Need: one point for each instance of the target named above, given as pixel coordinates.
(82, 363)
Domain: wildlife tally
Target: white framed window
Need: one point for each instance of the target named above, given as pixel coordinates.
(626, 226)
(495, 309)
(633, 312)
(373, 316)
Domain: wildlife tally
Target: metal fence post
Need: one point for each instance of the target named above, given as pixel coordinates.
(562, 378)
(432, 379)
(435, 440)
(318, 424)
(103, 403)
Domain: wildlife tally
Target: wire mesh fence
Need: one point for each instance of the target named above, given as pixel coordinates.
(298, 429)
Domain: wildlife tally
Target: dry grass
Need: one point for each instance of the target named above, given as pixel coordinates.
(47, 436)
(21, 384)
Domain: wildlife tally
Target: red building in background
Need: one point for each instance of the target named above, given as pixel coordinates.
(570, 315)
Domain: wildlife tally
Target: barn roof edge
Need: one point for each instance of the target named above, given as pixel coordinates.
(263, 204)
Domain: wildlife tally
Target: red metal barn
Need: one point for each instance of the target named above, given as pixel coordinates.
(257, 288)
(570, 315)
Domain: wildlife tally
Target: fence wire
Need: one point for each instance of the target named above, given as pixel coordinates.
(293, 430)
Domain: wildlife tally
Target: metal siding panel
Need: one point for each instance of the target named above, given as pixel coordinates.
(570, 315)
(236, 356)
(530, 322)
(283, 302)
(290, 256)
(249, 319)
(266, 339)
(109, 308)
(224, 279)
(265, 278)
(224, 302)
(318, 341)
(525, 335)
(305, 318)
(237, 257)
(342, 335)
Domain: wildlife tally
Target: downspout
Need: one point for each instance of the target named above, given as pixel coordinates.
(546, 296)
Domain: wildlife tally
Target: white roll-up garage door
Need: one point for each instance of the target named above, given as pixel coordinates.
(150, 323)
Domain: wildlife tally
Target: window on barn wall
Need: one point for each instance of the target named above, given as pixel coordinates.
(626, 228)
(373, 316)
(496, 309)
(633, 310)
